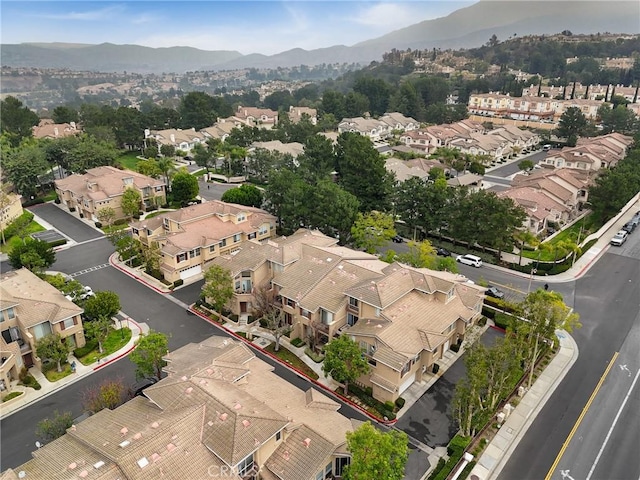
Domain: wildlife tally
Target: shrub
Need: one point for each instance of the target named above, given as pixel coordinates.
(438, 469)
(57, 243)
(503, 320)
(90, 346)
(178, 282)
(35, 201)
(23, 220)
(400, 402)
(389, 405)
(482, 322)
(369, 391)
(297, 342)
(251, 319)
(57, 201)
(72, 209)
(120, 221)
(263, 323)
(457, 444)
(455, 347)
(435, 368)
(98, 224)
(488, 312)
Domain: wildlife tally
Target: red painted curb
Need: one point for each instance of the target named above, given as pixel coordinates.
(140, 279)
(294, 369)
(579, 274)
(124, 354)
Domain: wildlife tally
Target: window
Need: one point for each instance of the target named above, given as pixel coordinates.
(341, 463)
(41, 330)
(252, 235)
(165, 223)
(328, 470)
(351, 319)
(291, 303)
(212, 248)
(278, 436)
(354, 302)
(327, 317)
(405, 369)
(305, 313)
(149, 232)
(241, 217)
(135, 231)
(69, 322)
(245, 466)
(378, 311)
(223, 243)
(194, 253)
(11, 314)
(263, 230)
(236, 238)
(182, 257)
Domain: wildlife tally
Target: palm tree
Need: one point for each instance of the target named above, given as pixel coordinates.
(166, 166)
(525, 237)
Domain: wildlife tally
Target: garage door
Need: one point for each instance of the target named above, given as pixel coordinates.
(190, 272)
(407, 383)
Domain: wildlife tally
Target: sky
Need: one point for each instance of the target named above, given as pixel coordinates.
(264, 26)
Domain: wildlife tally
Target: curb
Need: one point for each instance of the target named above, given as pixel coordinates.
(135, 277)
(123, 354)
(293, 369)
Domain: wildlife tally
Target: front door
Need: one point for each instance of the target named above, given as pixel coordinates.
(243, 307)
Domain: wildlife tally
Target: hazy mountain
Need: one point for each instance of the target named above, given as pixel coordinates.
(467, 27)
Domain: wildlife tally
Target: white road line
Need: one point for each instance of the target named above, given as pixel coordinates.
(90, 269)
(615, 420)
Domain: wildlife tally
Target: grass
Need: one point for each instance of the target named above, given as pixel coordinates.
(114, 228)
(33, 227)
(30, 381)
(114, 342)
(570, 233)
(11, 396)
(199, 173)
(290, 358)
(129, 160)
(51, 371)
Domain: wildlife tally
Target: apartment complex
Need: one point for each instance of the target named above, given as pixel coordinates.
(103, 187)
(11, 208)
(378, 129)
(190, 238)
(220, 413)
(591, 154)
(324, 290)
(31, 308)
(48, 129)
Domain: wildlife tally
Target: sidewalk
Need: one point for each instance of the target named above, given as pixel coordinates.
(47, 388)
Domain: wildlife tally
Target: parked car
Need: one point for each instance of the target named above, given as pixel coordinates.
(629, 227)
(397, 239)
(443, 252)
(87, 292)
(469, 259)
(494, 292)
(619, 238)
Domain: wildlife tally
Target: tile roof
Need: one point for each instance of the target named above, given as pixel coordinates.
(402, 170)
(294, 149)
(37, 300)
(107, 182)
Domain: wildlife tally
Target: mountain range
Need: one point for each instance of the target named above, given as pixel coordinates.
(464, 28)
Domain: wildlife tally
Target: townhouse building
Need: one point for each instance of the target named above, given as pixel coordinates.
(324, 290)
(189, 239)
(103, 187)
(254, 117)
(10, 209)
(220, 413)
(591, 154)
(31, 308)
(184, 140)
(296, 114)
(403, 171)
(378, 129)
(48, 129)
(220, 130)
(541, 209)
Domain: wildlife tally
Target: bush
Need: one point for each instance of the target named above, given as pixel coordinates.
(35, 201)
(72, 209)
(90, 346)
(482, 322)
(500, 304)
(297, 342)
(488, 312)
(389, 405)
(98, 224)
(22, 221)
(435, 368)
(151, 208)
(57, 201)
(400, 402)
(369, 391)
(503, 320)
(251, 319)
(178, 282)
(120, 221)
(438, 469)
(455, 348)
(457, 444)
(263, 323)
(57, 243)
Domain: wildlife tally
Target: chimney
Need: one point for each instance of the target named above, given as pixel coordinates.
(172, 137)
(55, 131)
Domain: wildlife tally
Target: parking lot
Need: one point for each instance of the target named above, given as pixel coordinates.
(65, 222)
(49, 236)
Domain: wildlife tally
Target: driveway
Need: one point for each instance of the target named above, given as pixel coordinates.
(214, 190)
(429, 419)
(66, 223)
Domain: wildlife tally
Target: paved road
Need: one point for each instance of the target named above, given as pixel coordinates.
(607, 299)
(65, 222)
(429, 420)
(214, 190)
(511, 168)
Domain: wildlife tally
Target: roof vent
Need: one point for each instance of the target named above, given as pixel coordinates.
(209, 371)
(124, 444)
(155, 457)
(183, 378)
(246, 423)
(256, 442)
(137, 436)
(210, 423)
(98, 464)
(143, 462)
(22, 474)
(83, 474)
(170, 447)
(124, 431)
(155, 425)
(237, 406)
(203, 382)
(223, 416)
(188, 390)
(306, 442)
(286, 455)
(72, 466)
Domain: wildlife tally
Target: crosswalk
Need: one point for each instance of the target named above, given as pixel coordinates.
(90, 269)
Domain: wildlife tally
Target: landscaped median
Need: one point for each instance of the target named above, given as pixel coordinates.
(90, 353)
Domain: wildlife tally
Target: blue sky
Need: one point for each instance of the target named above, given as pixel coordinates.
(266, 27)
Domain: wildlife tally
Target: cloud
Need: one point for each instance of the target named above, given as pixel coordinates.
(388, 16)
(144, 18)
(106, 13)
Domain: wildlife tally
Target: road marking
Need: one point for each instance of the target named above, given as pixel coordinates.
(624, 368)
(580, 418)
(90, 269)
(565, 474)
(613, 425)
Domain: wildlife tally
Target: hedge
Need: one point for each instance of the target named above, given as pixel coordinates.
(400, 402)
(455, 450)
(297, 342)
(178, 282)
(35, 201)
(57, 243)
(88, 347)
(12, 229)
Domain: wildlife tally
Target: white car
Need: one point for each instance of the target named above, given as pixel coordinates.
(471, 260)
(619, 238)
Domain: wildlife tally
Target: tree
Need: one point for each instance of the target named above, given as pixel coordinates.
(168, 151)
(525, 237)
(376, 454)
(151, 256)
(53, 347)
(544, 313)
(184, 187)
(149, 167)
(106, 215)
(572, 124)
(619, 119)
(205, 156)
(166, 166)
(16, 120)
(64, 114)
(24, 167)
(330, 209)
(344, 361)
(131, 202)
(148, 356)
(372, 230)
(218, 287)
(127, 247)
(49, 429)
(420, 255)
(526, 165)
(275, 322)
(98, 329)
(110, 393)
(90, 152)
(34, 255)
(318, 160)
(102, 304)
(248, 195)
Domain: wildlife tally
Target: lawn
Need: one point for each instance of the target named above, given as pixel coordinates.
(199, 173)
(114, 342)
(51, 371)
(11, 396)
(290, 358)
(129, 160)
(568, 234)
(114, 228)
(155, 214)
(33, 227)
